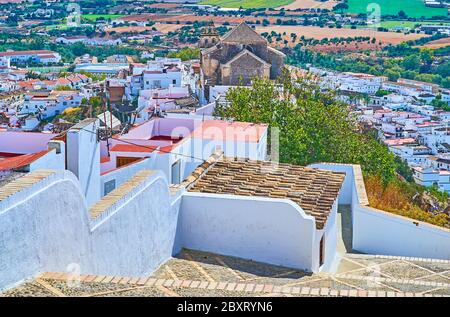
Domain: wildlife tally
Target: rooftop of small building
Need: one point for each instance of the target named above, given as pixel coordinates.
(314, 190)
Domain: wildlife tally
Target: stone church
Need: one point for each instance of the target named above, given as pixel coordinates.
(236, 58)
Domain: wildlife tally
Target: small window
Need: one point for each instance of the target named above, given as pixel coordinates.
(176, 172)
(109, 187)
(174, 81)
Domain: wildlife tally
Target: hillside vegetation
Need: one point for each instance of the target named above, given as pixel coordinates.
(314, 127)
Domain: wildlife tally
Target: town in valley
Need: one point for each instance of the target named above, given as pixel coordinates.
(224, 148)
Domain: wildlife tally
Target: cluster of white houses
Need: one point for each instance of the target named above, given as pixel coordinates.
(405, 119)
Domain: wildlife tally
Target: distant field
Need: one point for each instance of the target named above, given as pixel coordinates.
(310, 4)
(413, 8)
(56, 26)
(164, 28)
(93, 17)
(438, 43)
(408, 24)
(248, 3)
(321, 33)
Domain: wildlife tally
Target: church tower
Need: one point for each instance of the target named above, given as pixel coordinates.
(209, 36)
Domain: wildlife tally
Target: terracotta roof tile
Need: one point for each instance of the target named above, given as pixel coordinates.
(20, 161)
(314, 190)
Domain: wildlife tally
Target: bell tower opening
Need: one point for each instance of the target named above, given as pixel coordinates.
(209, 36)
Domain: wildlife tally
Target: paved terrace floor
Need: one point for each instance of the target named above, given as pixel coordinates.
(194, 273)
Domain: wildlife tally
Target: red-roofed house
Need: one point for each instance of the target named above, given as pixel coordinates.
(35, 56)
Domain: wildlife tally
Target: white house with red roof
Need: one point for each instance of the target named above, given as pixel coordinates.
(35, 56)
(49, 103)
(29, 151)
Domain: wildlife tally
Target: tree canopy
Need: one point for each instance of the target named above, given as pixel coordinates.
(313, 125)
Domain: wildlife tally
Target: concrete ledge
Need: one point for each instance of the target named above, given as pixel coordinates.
(112, 199)
(24, 182)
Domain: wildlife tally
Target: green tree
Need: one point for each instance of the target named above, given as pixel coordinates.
(186, 54)
(392, 75)
(412, 62)
(313, 126)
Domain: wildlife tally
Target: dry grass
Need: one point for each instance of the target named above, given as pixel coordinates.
(395, 199)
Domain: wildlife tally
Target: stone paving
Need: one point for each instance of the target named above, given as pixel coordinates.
(194, 273)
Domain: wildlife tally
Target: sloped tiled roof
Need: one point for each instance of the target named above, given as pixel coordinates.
(246, 52)
(314, 190)
(20, 161)
(243, 34)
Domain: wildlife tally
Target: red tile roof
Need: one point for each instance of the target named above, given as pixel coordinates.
(133, 148)
(105, 159)
(36, 52)
(20, 161)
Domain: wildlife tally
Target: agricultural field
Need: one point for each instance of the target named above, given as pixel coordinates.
(93, 17)
(413, 8)
(56, 26)
(164, 28)
(189, 18)
(310, 4)
(321, 33)
(437, 43)
(247, 4)
(392, 24)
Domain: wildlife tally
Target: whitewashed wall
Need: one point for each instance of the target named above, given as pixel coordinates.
(47, 228)
(275, 231)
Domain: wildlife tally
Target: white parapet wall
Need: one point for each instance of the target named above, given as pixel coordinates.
(379, 232)
(45, 225)
(275, 231)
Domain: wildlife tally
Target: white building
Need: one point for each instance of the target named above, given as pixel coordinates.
(36, 56)
(71, 39)
(49, 104)
(430, 176)
(160, 73)
(99, 41)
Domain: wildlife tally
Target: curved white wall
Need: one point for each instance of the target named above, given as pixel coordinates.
(275, 231)
(46, 227)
